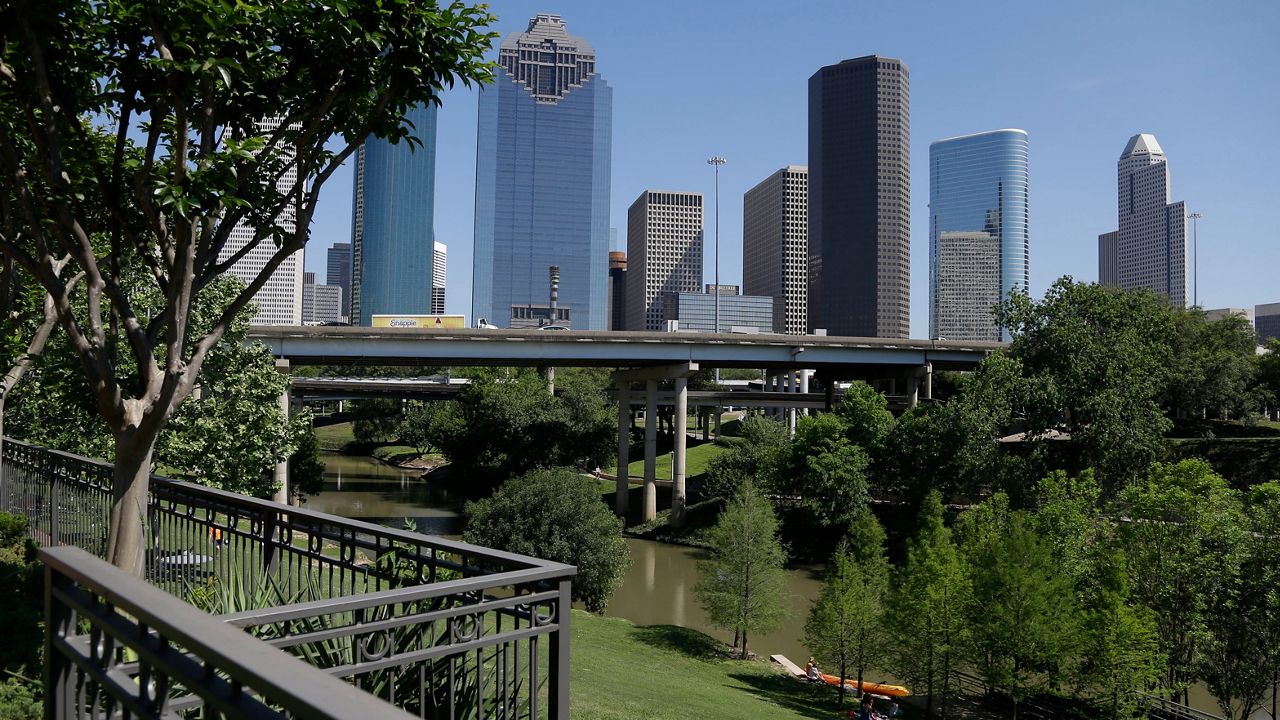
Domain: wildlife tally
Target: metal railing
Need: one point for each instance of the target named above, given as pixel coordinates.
(440, 628)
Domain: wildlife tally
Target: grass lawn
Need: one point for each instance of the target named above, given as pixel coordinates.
(696, 459)
(334, 437)
(662, 671)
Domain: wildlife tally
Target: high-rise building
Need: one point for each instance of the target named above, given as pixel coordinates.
(775, 246)
(338, 272)
(279, 300)
(1109, 259)
(696, 312)
(860, 198)
(320, 303)
(978, 187)
(392, 216)
(438, 274)
(1266, 321)
(543, 159)
(1151, 244)
(722, 289)
(664, 253)
(617, 290)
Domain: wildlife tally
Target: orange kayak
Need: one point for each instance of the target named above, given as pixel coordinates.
(851, 684)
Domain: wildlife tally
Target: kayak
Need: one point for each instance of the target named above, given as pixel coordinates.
(851, 684)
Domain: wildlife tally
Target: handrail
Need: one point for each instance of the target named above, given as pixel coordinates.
(122, 604)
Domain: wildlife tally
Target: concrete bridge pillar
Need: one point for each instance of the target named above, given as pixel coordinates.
(624, 448)
(281, 473)
(913, 390)
(804, 385)
(650, 494)
(677, 464)
(789, 386)
(928, 381)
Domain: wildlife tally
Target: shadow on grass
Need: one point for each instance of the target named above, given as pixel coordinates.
(690, 643)
(799, 697)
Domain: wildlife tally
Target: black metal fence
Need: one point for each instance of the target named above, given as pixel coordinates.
(437, 627)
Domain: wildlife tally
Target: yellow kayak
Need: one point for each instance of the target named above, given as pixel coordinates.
(877, 688)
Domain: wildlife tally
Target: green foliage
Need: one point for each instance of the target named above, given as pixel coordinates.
(376, 420)
(416, 426)
(924, 451)
(824, 471)
(1182, 533)
(846, 622)
(1067, 518)
(1120, 655)
(556, 515)
(1266, 373)
(926, 610)
(865, 413)
(753, 458)
(306, 469)
(1023, 619)
(742, 586)
(22, 617)
(1213, 365)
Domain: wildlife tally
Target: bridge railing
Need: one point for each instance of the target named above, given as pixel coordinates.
(438, 627)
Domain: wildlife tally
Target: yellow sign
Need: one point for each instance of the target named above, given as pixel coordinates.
(439, 322)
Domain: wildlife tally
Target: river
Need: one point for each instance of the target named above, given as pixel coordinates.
(657, 588)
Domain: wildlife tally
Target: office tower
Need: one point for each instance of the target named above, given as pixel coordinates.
(321, 304)
(1151, 244)
(438, 266)
(542, 178)
(617, 290)
(1266, 321)
(696, 312)
(977, 194)
(279, 300)
(338, 272)
(1109, 259)
(392, 216)
(664, 253)
(1217, 314)
(775, 246)
(860, 198)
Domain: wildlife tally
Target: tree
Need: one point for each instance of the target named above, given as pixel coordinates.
(926, 610)
(1182, 533)
(1262, 567)
(925, 451)
(415, 427)
(1023, 619)
(556, 515)
(742, 586)
(1213, 364)
(846, 621)
(376, 420)
(131, 133)
(865, 413)
(824, 471)
(1095, 362)
(1266, 376)
(755, 457)
(1068, 519)
(1120, 655)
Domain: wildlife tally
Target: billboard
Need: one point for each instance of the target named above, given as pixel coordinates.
(420, 321)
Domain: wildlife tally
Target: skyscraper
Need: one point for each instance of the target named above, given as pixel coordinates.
(977, 194)
(279, 300)
(338, 272)
(1151, 244)
(860, 198)
(438, 275)
(775, 246)
(393, 211)
(617, 290)
(1266, 321)
(543, 156)
(664, 253)
(1109, 259)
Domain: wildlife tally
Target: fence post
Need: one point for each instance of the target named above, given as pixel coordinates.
(59, 693)
(54, 540)
(558, 693)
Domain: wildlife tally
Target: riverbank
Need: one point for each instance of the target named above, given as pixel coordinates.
(340, 439)
(624, 671)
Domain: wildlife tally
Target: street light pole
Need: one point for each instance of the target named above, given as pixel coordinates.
(1195, 254)
(717, 161)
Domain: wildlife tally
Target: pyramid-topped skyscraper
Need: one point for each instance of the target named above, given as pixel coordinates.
(543, 159)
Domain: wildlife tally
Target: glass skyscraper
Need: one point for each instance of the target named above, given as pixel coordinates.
(392, 219)
(542, 179)
(979, 244)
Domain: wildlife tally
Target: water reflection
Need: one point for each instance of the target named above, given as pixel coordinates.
(366, 489)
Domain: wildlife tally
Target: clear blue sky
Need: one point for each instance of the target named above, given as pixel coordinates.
(693, 79)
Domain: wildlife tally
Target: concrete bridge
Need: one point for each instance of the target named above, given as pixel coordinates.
(900, 366)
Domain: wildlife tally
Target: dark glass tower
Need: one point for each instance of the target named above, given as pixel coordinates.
(542, 179)
(860, 198)
(338, 272)
(393, 212)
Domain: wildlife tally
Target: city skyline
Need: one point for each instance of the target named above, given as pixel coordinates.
(1079, 112)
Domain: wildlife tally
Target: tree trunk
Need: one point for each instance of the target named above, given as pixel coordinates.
(946, 681)
(744, 644)
(737, 636)
(126, 544)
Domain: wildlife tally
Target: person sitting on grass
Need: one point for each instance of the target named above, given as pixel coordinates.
(811, 671)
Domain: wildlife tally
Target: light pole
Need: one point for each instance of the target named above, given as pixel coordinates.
(1195, 254)
(717, 161)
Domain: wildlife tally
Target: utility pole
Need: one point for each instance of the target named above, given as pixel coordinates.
(716, 162)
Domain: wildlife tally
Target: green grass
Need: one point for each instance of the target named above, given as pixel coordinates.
(696, 460)
(662, 671)
(334, 437)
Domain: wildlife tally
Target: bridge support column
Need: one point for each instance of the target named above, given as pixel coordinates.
(677, 463)
(718, 412)
(624, 448)
(281, 473)
(650, 495)
(804, 386)
(913, 390)
(789, 386)
(928, 381)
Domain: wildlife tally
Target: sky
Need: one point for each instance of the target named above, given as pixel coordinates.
(699, 78)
